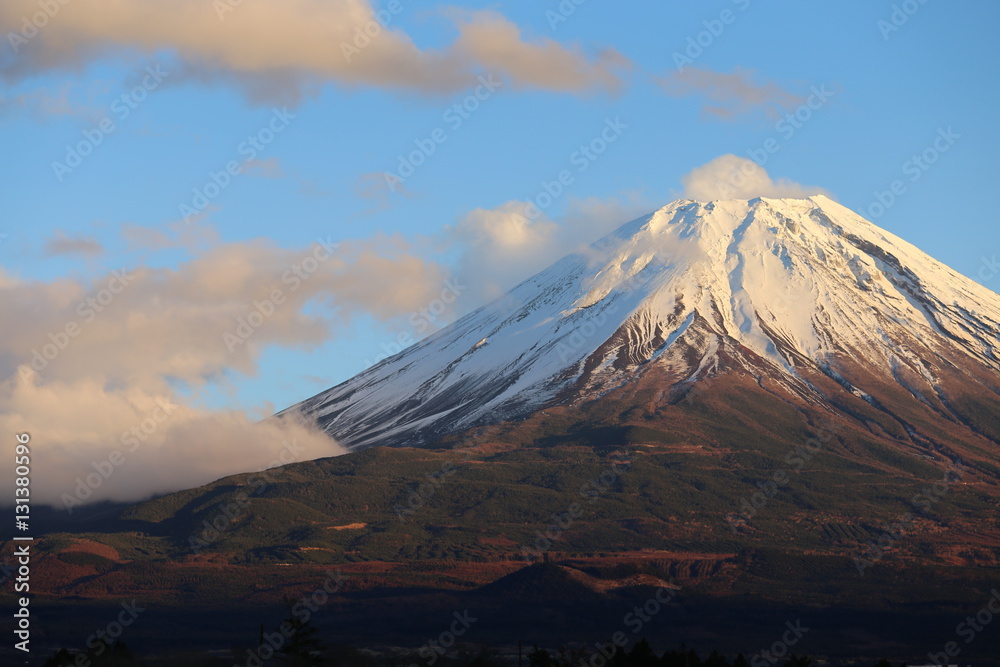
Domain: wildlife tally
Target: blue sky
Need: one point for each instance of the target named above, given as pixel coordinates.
(894, 90)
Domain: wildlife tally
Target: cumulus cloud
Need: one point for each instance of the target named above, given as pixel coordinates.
(81, 365)
(279, 51)
(95, 442)
(141, 325)
(732, 177)
(62, 244)
(730, 95)
(489, 39)
(504, 245)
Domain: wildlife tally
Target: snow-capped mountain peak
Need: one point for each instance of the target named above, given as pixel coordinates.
(778, 285)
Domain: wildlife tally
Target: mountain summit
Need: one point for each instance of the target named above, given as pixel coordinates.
(767, 407)
(803, 295)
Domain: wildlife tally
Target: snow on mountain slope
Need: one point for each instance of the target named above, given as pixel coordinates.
(786, 282)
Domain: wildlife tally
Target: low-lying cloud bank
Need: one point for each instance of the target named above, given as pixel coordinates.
(96, 371)
(90, 442)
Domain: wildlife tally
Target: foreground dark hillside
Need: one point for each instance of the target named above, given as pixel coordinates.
(754, 509)
(309, 649)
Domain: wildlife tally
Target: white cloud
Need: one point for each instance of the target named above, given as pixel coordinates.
(732, 177)
(83, 364)
(61, 243)
(504, 245)
(96, 442)
(282, 51)
(489, 39)
(730, 95)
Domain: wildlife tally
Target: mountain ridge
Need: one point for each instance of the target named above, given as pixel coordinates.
(779, 287)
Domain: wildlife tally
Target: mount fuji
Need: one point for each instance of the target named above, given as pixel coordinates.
(772, 404)
(803, 296)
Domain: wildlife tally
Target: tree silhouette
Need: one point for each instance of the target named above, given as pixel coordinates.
(642, 655)
(539, 657)
(61, 658)
(716, 659)
(302, 647)
(797, 661)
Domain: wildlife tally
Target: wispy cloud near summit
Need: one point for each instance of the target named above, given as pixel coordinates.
(732, 177)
